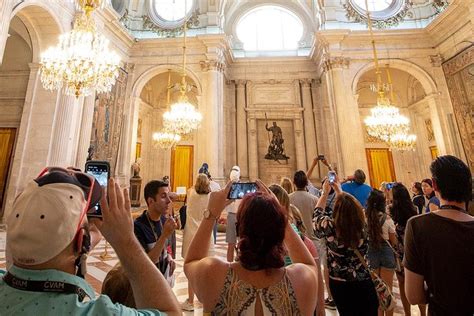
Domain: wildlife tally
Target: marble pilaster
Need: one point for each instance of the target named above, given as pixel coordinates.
(242, 154)
(85, 130)
(253, 149)
(299, 145)
(437, 117)
(309, 126)
(5, 9)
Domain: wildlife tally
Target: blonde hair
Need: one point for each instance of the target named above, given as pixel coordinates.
(297, 219)
(202, 184)
(281, 195)
(286, 184)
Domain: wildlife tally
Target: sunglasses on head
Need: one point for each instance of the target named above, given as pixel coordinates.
(85, 182)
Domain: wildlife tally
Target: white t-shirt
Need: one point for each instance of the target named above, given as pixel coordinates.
(388, 227)
(214, 186)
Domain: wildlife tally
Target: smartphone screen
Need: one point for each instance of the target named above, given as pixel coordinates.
(332, 177)
(101, 172)
(390, 185)
(239, 189)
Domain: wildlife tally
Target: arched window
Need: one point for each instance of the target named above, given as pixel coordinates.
(170, 13)
(269, 28)
(379, 9)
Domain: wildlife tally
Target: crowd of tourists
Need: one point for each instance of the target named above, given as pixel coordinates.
(294, 248)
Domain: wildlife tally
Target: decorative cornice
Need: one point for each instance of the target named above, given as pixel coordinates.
(335, 62)
(436, 60)
(214, 65)
(306, 83)
(463, 60)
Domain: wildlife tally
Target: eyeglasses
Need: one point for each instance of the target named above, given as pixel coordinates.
(85, 180)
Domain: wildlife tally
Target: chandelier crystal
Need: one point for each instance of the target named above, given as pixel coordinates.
(182, 118)
(82, 61)
(402, 142)
(166, 139)
(385, 122)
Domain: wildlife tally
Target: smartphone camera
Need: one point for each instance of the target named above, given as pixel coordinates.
(240, 189)
(101, 172)
(332, 177)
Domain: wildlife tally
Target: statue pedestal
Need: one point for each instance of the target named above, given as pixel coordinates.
(135, 188)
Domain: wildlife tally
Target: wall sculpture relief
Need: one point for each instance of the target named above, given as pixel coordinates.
(460, 79)
(108, 122)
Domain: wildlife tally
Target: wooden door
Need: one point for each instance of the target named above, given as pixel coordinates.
(381, 168)
(182, 158)
(7, 139)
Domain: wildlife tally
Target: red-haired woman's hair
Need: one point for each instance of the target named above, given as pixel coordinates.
(261, 223)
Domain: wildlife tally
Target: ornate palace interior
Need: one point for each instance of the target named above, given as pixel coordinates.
(307, 65)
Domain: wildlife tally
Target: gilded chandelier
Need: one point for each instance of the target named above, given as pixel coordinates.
(385, 122)
(82, 61)
(182, 118)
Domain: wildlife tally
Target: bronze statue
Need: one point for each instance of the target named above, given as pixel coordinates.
(275, 149)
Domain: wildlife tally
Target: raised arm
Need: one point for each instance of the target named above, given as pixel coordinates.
(168, 228)
(150, 288)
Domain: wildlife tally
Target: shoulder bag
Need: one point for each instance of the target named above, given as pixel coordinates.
(384, 295)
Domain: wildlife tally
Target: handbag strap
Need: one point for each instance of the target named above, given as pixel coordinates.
(364, 263)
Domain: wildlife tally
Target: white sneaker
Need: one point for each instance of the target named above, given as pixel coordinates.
(187, 306)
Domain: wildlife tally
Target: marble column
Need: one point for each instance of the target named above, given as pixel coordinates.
(85, 131)
(61, 133)
(253, 149)
(437, 117)
(242, 154)
(349, 129)
(5, 10)
(213, 117)
(309, 127)
(299, 144)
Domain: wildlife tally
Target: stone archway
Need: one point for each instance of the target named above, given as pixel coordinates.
(43, 27)
(416, 71)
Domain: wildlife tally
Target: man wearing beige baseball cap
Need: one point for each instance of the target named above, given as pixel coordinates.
(47, 235)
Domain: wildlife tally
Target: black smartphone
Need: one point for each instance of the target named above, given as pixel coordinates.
(320, 157)
(331, 177)
(101, 172)
(239, 189)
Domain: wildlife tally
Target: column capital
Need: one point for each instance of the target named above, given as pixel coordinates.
(212, 64)
(335, 62)
(436, 60)
(306, 82)
(240, 83)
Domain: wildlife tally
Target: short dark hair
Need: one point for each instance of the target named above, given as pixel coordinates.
(417, 186)
(300, 179)
(152, 187)
(359, 176)
(452, 177)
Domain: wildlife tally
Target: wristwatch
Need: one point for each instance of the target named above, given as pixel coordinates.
(208, 215)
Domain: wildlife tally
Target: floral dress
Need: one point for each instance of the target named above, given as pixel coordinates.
(343, 263)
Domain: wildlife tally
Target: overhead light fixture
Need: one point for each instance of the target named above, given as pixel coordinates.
(385, 122)
(167, 138)
(182, 118)
(402, 142)
(81, 62)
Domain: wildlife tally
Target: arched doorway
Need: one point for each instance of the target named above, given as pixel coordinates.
(32, 29)
(155, 162)
(410, 96)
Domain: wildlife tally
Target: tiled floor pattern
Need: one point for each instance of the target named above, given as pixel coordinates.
(98, 266)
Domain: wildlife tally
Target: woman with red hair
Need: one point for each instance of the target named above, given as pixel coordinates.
(258, 283)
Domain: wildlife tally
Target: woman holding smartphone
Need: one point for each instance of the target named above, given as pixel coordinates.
(258, 283)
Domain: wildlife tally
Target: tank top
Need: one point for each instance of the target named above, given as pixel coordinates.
(239, 297)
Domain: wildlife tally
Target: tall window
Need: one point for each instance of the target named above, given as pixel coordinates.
(269, 28)
(374, 5)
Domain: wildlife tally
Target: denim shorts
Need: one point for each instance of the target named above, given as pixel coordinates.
(382, 257)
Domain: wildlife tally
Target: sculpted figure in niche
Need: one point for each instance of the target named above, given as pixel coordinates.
(275, 149)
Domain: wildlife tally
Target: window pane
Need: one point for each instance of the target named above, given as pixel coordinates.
(172, 10)
(374, 5)
(269, 28)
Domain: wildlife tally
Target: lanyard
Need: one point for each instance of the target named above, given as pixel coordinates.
(452, 207)
(153, 226)
(44, 286)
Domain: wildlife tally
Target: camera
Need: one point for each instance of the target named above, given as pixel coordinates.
(321, 157)
(101, 172)
(332, 177)
(240, 189)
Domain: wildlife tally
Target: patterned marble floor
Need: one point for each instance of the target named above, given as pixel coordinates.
(98, 268)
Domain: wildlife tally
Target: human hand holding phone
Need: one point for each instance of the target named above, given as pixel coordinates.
(100, 170)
